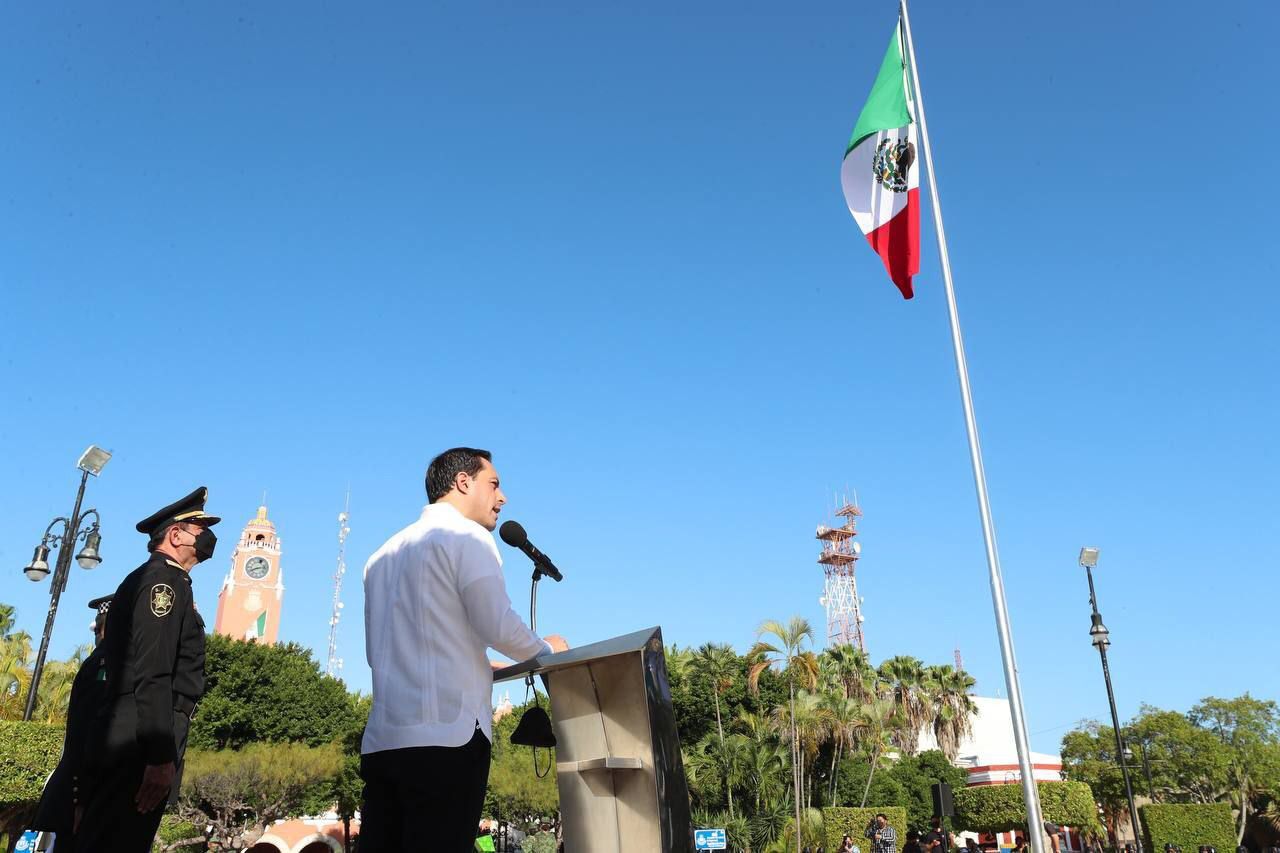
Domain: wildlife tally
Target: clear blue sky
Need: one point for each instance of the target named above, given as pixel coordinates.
(295, 247)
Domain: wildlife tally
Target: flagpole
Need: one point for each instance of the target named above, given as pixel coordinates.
(1029, 793)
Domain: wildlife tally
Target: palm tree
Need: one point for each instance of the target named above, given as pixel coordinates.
(847, 721)
(880, 722)
(854, 673)
(763, 763)
(812, 729)
(6, 619)
(678, 661)
(15, 674)
(905, 678)
(799, 665)
(720, 663)
(953, 707)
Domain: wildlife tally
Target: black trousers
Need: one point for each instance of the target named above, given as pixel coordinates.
(425, 798)
(111, 821)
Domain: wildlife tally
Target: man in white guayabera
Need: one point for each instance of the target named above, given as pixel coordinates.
(434, 601)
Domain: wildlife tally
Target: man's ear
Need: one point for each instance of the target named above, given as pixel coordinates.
(462, 482)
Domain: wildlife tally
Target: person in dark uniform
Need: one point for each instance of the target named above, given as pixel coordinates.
(154, 659)
(61, 799)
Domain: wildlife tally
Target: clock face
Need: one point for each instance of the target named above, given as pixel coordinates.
(257, 568)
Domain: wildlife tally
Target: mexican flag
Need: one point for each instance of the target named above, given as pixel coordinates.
(881, 175)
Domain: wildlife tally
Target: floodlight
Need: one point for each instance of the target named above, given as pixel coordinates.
(93, 460)
(1089, 558)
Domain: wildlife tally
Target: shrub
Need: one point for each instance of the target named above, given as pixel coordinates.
(1187, 825)
(999, 808)
(542, 842)
(173, 830)
(839, 820)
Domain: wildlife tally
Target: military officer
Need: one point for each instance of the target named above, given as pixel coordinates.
(154, 661)
(61, 799)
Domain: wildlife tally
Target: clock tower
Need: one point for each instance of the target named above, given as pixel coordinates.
(249, 603)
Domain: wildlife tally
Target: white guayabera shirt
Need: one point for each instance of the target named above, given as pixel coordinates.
(434, 601)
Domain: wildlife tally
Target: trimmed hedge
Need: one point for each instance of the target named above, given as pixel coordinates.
(1188, 825)
(28, 754)
(839, 820)
(999, 808)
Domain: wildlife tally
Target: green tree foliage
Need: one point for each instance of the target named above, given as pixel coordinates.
(1089, 756)
(515, 792)
(1222, 750)
(782, 729)
(28, 754)
(1249, 731)
(1187, 825)
(905, 784)
(917, 775)
(838, 821)
(258, 693)
(999, 808)
(239, 793)
(17, 659)
(1186, 763)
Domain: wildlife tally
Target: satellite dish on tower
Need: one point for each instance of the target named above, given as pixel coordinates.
(857, 548)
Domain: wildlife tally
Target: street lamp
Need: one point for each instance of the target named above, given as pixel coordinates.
(92, 462)
(1100, 637)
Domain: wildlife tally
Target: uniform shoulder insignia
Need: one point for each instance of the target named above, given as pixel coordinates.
(161, 599)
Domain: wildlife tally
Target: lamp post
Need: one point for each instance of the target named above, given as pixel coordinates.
(1101, 638)
(92, 462)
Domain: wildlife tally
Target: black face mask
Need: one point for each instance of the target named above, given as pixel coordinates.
(206, 541)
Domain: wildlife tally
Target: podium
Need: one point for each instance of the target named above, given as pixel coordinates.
(618, 767)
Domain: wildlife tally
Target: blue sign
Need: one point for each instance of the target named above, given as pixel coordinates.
(27, 842)
(709, 839)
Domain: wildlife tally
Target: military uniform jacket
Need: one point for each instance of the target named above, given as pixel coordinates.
(154, 650)
(65, 789)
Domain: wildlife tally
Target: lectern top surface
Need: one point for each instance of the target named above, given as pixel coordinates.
(633, 642)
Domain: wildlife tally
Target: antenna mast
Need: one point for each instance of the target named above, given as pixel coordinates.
(335, 662)
(839, 560)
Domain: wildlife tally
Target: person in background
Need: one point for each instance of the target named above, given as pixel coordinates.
(884, 838)
(939, 840)
(1053, 830)
(846, 844)
(913, 843)
(61, 803)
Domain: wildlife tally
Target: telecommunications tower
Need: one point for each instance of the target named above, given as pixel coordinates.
(335, 662)
(839, 559)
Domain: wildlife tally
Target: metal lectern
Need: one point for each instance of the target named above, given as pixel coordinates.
(618, 767)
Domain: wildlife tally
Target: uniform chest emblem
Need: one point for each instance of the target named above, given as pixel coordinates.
(161, 599)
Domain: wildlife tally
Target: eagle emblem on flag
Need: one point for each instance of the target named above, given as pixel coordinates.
(892, 162)
(161, 600)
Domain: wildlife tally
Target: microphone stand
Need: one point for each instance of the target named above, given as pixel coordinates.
(528, 679)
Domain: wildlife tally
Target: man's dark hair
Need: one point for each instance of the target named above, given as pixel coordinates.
(883, 815)
(446, 467)
(158, 536)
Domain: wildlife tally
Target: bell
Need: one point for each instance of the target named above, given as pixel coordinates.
(88, 558)
(534, 729)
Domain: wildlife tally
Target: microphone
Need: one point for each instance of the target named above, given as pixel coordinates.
(513, 534)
